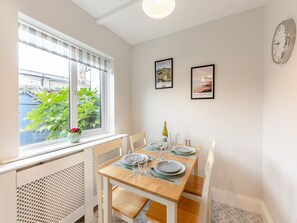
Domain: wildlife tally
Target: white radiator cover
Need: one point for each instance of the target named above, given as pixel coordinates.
(51, 192)
(62, 189)
(8, 197)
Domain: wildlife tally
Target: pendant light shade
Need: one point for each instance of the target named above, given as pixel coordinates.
(158, 9)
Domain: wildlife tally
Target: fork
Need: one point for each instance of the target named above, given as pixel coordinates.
(163, 178)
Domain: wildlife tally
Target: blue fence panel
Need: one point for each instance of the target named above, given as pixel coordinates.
(27, 104)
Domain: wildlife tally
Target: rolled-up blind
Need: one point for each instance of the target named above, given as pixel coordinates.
(40, 39)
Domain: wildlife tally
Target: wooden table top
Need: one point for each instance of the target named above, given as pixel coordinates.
(161, 188)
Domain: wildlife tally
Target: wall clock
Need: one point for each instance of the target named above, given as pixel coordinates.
(283, 41)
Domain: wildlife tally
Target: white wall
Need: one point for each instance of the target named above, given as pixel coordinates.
(65, 17)
(9, 80)
(233, 118)
(279, 120)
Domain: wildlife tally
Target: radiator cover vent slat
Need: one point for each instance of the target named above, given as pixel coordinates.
(51, 198)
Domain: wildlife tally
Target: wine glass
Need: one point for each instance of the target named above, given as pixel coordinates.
(163, 149)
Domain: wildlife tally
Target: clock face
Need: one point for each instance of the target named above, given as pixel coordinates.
(283, 41)
(279, 43)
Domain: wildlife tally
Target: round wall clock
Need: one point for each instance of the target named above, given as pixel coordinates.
(283, 41)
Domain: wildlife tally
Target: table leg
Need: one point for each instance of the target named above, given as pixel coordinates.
(107, 201)
(171, 212)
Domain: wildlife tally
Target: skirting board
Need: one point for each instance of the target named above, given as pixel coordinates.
(243, 202)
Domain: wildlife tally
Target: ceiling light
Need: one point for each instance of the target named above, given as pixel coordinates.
(158, 9)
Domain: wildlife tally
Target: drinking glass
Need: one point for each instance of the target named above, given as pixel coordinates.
(142, 167)
(133, 160)
(174, 138)
(164, 150)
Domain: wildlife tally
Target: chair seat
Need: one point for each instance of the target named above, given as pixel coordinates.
(127, 202)
(187, 211)
(194, 185)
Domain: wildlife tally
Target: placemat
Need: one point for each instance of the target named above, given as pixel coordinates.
(178, 179)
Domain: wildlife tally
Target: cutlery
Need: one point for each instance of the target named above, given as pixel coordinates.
(160, 177)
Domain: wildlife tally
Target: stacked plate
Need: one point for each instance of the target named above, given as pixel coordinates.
(134, 158)
(155, 145)
(184, 150)
(169, 167)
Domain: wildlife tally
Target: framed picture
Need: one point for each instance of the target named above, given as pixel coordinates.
(164, 73)
(203, 82)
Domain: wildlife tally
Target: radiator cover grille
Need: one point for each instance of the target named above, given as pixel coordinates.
(51, 198)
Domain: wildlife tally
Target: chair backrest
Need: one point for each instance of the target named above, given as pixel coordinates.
(137, 141)
(210, 157)
(205, 201)
(104, 155)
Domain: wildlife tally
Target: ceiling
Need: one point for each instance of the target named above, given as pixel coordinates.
(127, 19)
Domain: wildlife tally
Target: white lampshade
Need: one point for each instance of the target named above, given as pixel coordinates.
(158, 9)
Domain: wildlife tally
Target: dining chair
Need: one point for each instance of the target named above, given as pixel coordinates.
(126, 205)
(137, 141)
(194, 184)
(188, 210)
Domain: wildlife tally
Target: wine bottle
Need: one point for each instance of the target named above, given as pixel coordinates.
(165, 133)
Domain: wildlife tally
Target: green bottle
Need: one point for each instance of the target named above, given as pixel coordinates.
(165, 133)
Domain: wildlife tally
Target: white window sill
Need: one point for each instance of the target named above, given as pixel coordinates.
(45, 153)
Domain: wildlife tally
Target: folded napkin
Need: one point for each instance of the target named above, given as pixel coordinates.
(151, 148)
(182, 154)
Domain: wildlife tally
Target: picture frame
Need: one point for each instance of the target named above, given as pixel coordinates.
(164, 73)
(203, 82)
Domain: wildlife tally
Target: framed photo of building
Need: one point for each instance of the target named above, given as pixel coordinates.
(164, 73)
(203, 82)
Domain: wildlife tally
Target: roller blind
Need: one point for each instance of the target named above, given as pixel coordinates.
(35, 37)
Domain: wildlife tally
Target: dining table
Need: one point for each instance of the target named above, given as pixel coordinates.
(162, 190)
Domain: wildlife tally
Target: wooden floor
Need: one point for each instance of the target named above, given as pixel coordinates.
(221, 213)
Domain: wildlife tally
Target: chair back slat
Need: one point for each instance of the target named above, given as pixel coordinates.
(205, 211)
(210, 157)
(107, 149)
(138, 139)
(205, 201)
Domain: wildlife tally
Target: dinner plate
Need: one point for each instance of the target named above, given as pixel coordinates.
(168, 166)
(180, 171)
(128, 159)
(184, 150)
(155, 145)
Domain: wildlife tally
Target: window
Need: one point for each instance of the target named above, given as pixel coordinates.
(61, 86)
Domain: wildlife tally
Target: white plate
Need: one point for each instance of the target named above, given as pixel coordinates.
(156, 145)
(181, 170)
(184, 150)
(168, 166)
(127, 159)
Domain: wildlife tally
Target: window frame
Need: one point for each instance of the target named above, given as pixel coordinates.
(106, 96)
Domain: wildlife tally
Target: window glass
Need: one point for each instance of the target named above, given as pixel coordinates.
(43, 95)
(89, 94)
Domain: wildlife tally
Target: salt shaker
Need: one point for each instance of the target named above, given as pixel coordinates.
(188, 142)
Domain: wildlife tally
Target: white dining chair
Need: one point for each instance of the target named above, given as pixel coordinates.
(138, 141)
(188, 210)
(126, 204)
(195, 183)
